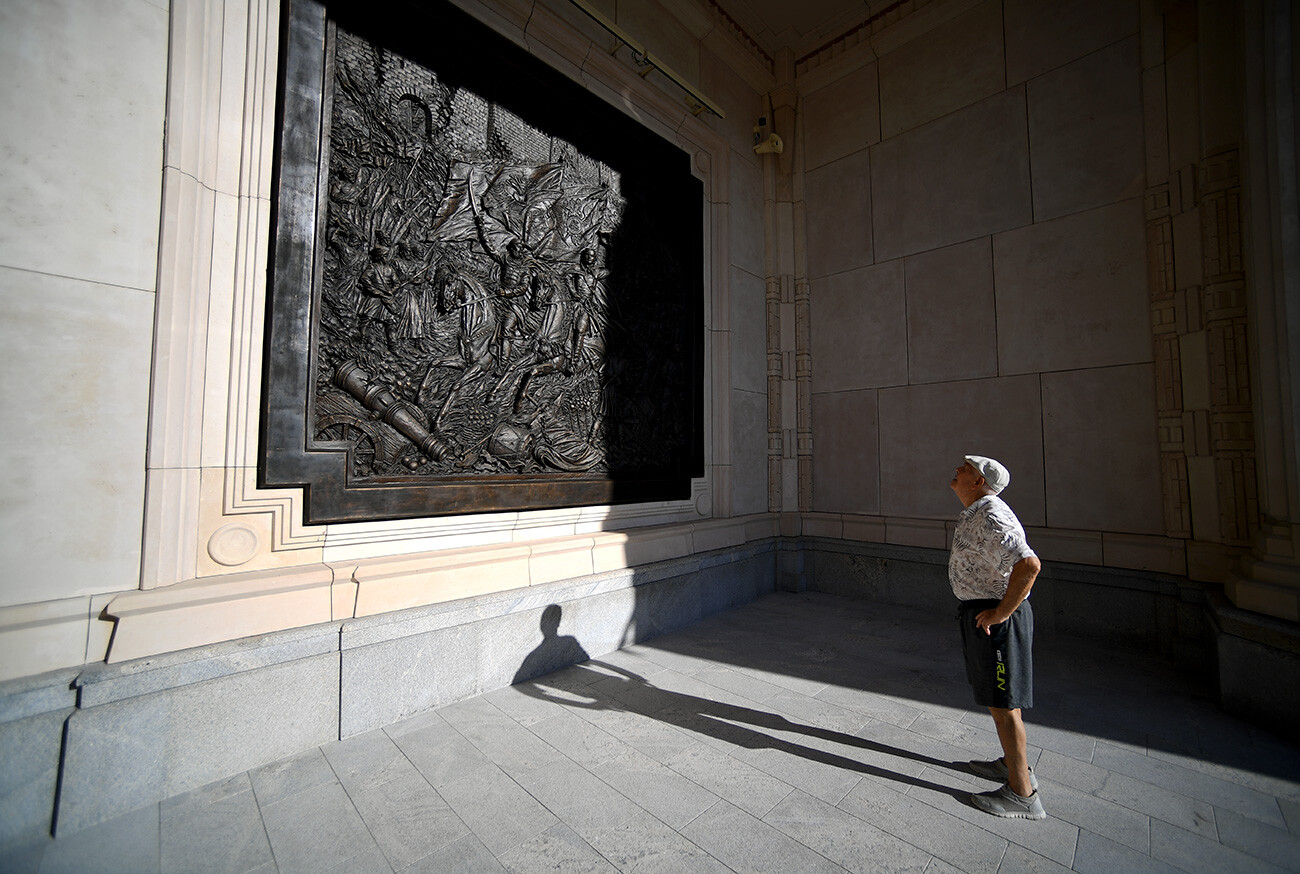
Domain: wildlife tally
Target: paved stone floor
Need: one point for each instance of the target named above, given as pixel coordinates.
(801, 733)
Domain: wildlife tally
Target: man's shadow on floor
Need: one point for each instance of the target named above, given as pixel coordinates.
(705, 716)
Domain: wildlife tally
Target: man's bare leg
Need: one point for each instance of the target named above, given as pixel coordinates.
(1011, 733)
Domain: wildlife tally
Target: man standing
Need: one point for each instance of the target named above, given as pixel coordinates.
(991, 570)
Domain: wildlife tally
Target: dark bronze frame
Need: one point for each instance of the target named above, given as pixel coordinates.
(666, 211)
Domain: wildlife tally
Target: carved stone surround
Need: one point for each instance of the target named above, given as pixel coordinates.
(238, 550)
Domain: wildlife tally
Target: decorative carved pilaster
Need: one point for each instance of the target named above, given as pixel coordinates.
(1214, 424)
(1224, 311)
(803, 389)
(1165, 324)
(775, 439)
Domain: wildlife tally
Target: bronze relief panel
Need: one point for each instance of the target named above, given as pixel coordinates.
(486, 283)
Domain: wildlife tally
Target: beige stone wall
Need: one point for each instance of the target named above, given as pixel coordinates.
(974, 178)
(136, 288)
(81, 136)
(997, 226)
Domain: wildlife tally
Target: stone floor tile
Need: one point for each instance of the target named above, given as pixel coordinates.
(1192, 783)
(126, 844)
(939, 833)
(209, 794)
(810, 688)
(1053, 838)
(799, 764)
(525, 703)
(1291, 813)
(1065, 741)
(1194, 852)
(817, 713)
(897, 747)
(843, 838)
(645, 734)
(315, 829)
(634, 694)
(368, 860)
(582, 801)
(1278, 846)
(1071, 772)
(746, 844)
(753, 690)
(509, 745)
(730, 779)
(558, 848)
(407, 818)
(1019, 860)
(644, 845)
(878, 707)
(976, 739)
(465, 856)
(662, 657)
(367, 760)
(25, 857)
(291, 776)
(1099, 855)
(661, 791)
(748, 707)
(1090, 813)
(1267, 774)
(1160, 804)
(497, 809)
(637, 659)
(438, 751)
(224, 835)
(578, 739)
(939, 866)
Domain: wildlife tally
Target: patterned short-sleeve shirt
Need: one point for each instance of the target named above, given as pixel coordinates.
(989, 540)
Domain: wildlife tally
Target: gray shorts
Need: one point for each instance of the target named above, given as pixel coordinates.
(1000, 664)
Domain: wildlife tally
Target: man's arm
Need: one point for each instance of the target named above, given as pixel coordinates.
(1023, 574)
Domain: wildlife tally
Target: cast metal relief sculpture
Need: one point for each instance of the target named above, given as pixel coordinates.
(502, 301)
(464, 308)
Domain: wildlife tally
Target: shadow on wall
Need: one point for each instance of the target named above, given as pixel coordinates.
(591, 684)
(554, 652)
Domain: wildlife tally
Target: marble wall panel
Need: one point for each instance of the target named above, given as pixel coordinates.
(1043, 36)
(76, 358)
(1086, 132)
(746, 217)
(957, 178)
(1101, 457)
(838, 207)
(859, 329)
(841, 118)
(925, 430)
(1183, 102)
(748, 452)
(29, 773)
(139, 750)
(748, 332)
(663, 35)
(725, 87)
(82, 139)
(846, 465)
(951, 321)
(431, 670)
(950, 67)
(1071, 293)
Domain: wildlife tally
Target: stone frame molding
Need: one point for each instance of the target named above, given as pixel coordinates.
(207, 522)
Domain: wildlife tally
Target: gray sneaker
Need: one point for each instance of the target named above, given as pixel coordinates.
(997, 770)
(1006, 803)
